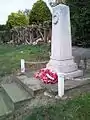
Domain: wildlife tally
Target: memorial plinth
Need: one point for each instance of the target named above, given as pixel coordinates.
(61, 59)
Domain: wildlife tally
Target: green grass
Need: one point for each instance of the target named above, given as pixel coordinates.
(76, 109)
(10, 56)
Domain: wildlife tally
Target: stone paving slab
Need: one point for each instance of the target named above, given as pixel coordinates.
(34, 85)
(6, 105)
(16, 92)
(31, 84)
(69, 84)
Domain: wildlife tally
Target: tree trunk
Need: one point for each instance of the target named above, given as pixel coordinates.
(45, 35)
(49, 37)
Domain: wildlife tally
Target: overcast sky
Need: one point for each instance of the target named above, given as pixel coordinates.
(8, 6)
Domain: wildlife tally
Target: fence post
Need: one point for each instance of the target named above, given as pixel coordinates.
(60, 84)
(22, 65)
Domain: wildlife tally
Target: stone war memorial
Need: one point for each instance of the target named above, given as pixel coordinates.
(61, 58)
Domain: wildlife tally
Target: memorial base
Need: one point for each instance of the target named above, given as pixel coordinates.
(68, 67)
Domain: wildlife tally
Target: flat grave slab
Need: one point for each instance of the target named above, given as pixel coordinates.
(6, 105)
(16, 92)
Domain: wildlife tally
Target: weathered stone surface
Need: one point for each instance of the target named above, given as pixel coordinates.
(16, 92)
(6, 105)
(31, 84)
(34, 85)
(69, 84)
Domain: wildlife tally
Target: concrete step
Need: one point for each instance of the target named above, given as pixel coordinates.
(30, 84)
(34, 86)
(6, 104)
(68, 85)
(16, 92)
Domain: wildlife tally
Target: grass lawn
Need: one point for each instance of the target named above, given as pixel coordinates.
(10, 56)
(76, 109)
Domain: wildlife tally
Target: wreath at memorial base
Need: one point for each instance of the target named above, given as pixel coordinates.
(47, 76)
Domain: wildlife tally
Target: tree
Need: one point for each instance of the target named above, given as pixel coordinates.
(17, 19)
(3, 27)
(39, 13)
(80, 21)
(27, 12)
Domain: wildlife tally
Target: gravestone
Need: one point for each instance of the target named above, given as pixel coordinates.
(61, 59)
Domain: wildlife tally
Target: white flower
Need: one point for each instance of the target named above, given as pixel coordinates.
(21, 51)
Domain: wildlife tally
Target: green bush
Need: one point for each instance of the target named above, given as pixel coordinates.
(39, 13)
(4, 36)
(17, 19)
(3, 27)
(80, 21)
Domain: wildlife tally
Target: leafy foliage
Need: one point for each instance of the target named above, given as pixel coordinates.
(80, 18)
(3, 27)
(17, 19)
(4, 36)
(39, 13)
(26, 12)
